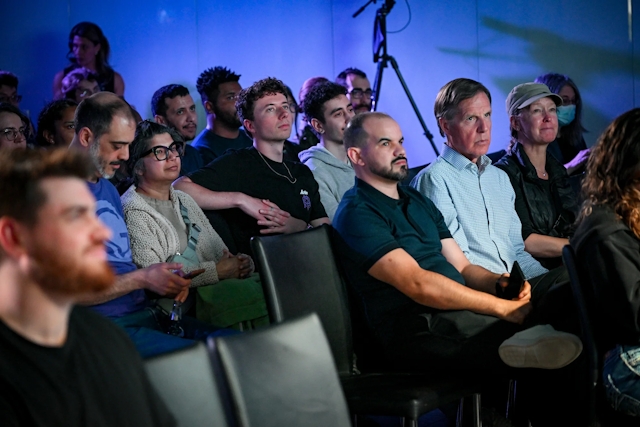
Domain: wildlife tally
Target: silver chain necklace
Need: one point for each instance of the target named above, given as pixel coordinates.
(292, 180)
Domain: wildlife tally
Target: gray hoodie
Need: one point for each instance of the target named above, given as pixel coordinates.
(333, 176)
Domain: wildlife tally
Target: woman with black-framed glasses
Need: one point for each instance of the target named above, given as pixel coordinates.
(166, 225)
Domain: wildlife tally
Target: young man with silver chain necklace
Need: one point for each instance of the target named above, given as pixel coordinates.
(287, 189)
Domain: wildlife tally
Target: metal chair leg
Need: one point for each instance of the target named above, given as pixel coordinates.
(407, 422)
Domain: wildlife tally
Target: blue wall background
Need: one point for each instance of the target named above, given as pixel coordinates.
(498, 42)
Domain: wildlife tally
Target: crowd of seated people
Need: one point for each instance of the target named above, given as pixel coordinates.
(427, 262)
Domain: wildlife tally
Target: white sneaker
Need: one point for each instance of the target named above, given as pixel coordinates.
(540, 347)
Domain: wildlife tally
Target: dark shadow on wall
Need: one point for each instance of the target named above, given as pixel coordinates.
(581, 61)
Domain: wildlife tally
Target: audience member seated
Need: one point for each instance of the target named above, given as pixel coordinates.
(289, 194)
(79, 84)
(9, 94)
(167, 225)
(9, 89)
(545, 201)
(13, 127)
(89, 48)
(476, 198)
(105, 127)
(55, 124)
(173, 106)
(569, 148)
(607, 245)
(292, 149)
(61, 364)
(328, 110)
(358, 89)
(218, 88)
(307, 138)
(427, 307)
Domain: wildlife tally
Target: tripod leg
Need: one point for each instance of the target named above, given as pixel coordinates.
(428, 134)
(377, 84)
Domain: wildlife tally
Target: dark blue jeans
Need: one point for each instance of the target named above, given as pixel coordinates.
(147, 330)
(621, 379)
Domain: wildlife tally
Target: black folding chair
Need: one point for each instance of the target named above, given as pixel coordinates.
(300, 276)
(282, 375)
(185, 380)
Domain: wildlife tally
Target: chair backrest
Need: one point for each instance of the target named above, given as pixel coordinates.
(583, 301)
(282, 375)
(300, 276)
(184, 379)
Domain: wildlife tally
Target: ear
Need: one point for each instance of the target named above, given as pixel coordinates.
(248, 125)
(48, 136)
(514, 122)
(208, 107)
(354, 154)
(444, 125)
(85, 137)
(160, 120)
(10, 238)
(317, 126)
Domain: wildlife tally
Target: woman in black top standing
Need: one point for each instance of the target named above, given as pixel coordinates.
(89, 48)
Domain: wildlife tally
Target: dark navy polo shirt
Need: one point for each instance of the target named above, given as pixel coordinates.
(370, 225)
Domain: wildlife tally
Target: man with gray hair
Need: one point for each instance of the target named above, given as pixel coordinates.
(476, 198)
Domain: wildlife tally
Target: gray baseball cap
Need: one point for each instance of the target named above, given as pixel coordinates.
(526, 94)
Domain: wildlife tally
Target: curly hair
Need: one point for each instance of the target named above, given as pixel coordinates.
(574, 130)
(71, 81)
(613, 171)
(211, 79)
(248, 97)
(48, 116)
(317, 96)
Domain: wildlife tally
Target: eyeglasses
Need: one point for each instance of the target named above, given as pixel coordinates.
(162, 153)
(10, 134)
(11, 99)
(359, 93)
(293, 107)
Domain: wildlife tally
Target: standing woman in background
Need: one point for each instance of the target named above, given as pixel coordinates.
(89, 48)
(569, 148)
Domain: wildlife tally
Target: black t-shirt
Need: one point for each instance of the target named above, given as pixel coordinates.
(95, 379)
(371, 225)
(246, 171)
(211, 146)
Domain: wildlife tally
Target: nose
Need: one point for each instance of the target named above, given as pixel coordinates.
(192, 116)
(123, 153)
(484, 124)
(102, 233)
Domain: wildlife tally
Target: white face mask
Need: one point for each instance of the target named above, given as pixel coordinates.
(566, 114)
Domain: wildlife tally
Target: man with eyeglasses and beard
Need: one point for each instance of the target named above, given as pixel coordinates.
(61, 364)
(358, 89)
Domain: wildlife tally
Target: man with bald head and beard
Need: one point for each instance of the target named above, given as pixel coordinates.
(61, 364)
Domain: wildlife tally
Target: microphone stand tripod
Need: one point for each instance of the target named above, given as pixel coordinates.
(382, 58)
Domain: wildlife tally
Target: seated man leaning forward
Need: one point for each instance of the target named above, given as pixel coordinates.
(289, 192)
(426, 303)
(61, 365)
(476, 198)
(105, 127)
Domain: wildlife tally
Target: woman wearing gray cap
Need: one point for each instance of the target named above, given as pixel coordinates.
(545, 201)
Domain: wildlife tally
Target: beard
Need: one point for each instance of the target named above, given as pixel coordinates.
(53, 271)
(389, 173)
(231, 121)
(99, 163)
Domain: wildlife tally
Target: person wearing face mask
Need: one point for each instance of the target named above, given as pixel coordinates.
(569, 148)
(545, 202)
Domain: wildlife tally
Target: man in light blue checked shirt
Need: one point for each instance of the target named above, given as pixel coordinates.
(476, 198)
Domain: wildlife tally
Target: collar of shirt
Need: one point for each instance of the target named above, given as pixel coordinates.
(460, 162)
